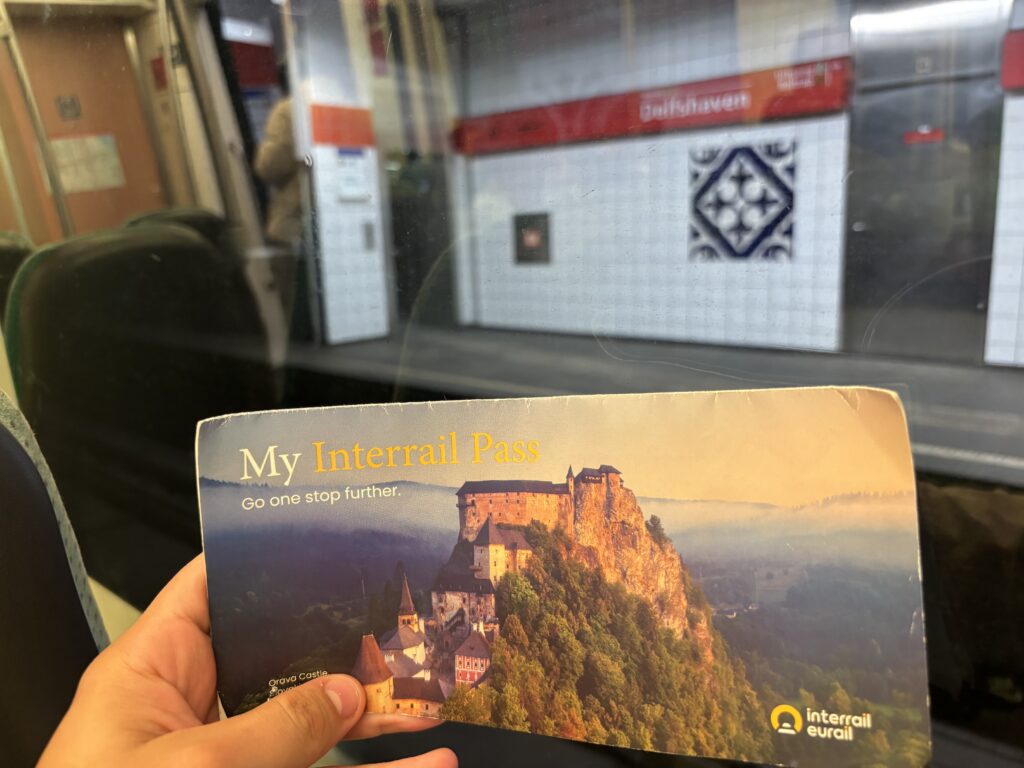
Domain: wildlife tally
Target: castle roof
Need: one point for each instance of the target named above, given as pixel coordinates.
(402, 666)
(401, 638)
(418, 688)
(475, 646)
(457, 581)
(490, 533)
(512, 486)
(407, 605)
(589, 473)
(370, 666)
(515, 540)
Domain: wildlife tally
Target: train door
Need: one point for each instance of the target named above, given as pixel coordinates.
(102, 118)
(92, 111)
(924, 159)
(82, 81)
(28, 205)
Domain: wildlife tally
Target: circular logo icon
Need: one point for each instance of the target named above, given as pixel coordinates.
(787, 720)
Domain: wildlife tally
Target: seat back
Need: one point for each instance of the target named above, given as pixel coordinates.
(51, 628)
(14, 249)
(210, 225)
(119, 343)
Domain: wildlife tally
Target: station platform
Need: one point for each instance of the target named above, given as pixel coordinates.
(965, 420)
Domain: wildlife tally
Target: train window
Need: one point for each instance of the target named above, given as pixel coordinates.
(209, 206)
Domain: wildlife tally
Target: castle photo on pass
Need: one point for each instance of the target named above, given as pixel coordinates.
(574, 604)
(416, 665)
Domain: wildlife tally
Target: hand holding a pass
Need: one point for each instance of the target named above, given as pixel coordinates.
(149, 700)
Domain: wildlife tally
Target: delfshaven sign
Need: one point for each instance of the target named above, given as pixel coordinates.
(805, 89)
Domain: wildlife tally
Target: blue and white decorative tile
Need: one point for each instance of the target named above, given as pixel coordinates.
(741, 201)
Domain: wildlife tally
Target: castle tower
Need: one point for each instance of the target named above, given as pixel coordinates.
(611, 475)
(407, 616)
(372, 671)
(489, 557)
(570, 481)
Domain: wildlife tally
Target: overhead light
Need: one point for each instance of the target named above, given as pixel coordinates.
(929, 17)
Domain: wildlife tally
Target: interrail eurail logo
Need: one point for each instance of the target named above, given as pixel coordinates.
(821, 724)
(787, 720)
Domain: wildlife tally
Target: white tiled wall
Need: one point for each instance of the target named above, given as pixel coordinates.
(1004, 341)
(353, 271)
(619, 223)
(619, 209)
(354, 280)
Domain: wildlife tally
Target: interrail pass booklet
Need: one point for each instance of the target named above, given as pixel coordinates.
(730, 574)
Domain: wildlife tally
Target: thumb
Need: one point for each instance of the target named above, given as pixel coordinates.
(295, 728)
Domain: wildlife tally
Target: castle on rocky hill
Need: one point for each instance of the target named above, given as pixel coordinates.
(417, 665)
(518, 502)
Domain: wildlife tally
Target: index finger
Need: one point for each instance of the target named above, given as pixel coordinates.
(184, 598)
(373, 724)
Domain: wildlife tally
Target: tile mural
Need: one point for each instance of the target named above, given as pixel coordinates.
(741, 201)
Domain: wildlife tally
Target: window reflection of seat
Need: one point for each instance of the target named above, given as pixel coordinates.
(14, 249)
(270, 271)
(210, 225)
(119, 343)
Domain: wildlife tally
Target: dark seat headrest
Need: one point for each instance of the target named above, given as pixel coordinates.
(114, 293)
(144, 277)
(121, 341)
(210, 225)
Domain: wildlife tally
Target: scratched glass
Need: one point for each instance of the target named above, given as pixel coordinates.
(209, 207)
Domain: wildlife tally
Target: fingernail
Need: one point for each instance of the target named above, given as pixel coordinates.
(344, 692)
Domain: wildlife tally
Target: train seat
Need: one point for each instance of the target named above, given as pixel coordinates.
(119, 342)
(46, 608)
(14, 249)
(210, 225)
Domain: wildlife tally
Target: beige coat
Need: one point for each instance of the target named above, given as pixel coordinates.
(277, 165)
